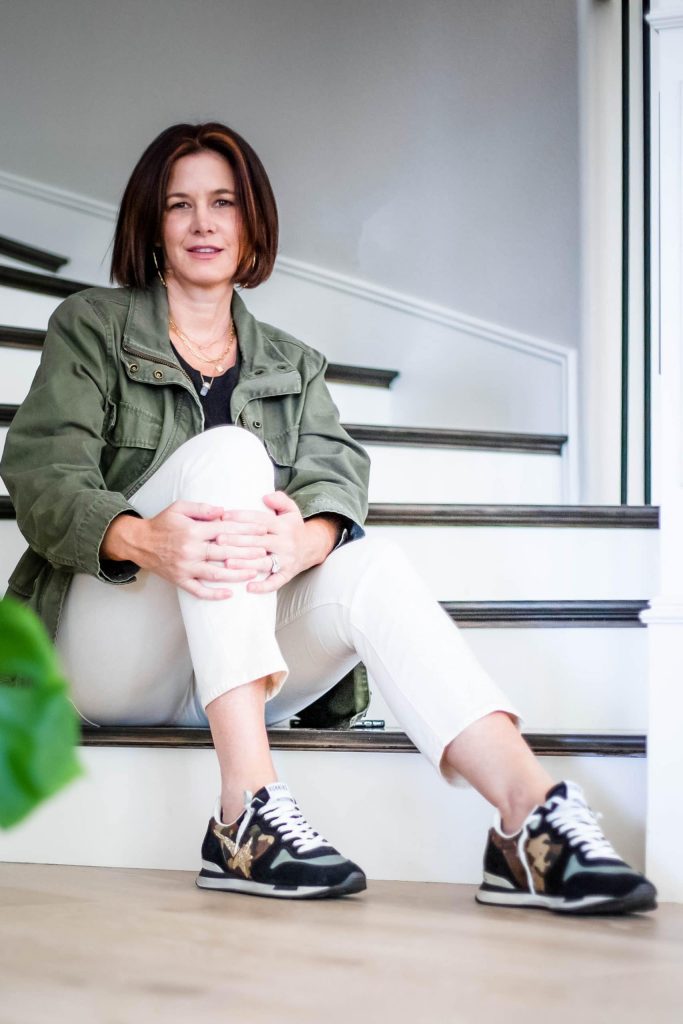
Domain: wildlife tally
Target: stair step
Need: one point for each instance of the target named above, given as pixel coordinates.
(627, 517)
(564, 614)
(359, 799)
(481, 440)
(21, 337)
(591, 516)
(561, 679)
(365, 740)
(441, 475)
(42, 284)
(29, 254)
(366, 376)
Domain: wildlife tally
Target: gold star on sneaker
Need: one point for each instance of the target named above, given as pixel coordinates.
(240, 858)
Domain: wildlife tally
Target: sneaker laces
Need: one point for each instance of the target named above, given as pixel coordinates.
(573, 818)
(284, 815)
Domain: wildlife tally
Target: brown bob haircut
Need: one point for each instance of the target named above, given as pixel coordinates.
(138, 227)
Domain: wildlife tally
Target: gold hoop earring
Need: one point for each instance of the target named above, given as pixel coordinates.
(161, 276)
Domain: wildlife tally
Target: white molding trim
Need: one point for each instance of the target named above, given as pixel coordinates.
(660, 22)
(57, 196)
(563, 357)
(443, 315)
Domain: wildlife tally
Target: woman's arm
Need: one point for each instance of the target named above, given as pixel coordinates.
(51, 460)
(331, 470)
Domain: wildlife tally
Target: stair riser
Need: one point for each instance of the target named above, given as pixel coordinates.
(415, 474)
(517, 563)
(500, 563)
(561, 680)
(390, 812)
(18, 370)
(26, 309)
(411, 474)
(358, 404)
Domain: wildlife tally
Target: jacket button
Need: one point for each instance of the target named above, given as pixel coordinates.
(158, 375)
(133, 367)
(256, 423)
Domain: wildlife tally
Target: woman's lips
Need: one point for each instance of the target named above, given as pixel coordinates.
(204, 252)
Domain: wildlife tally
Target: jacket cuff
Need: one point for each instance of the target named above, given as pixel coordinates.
(95, 523)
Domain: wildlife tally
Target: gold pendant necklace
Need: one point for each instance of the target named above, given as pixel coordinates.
(217, 362)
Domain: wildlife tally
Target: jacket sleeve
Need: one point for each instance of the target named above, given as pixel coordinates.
(51, 460)
(331, 470)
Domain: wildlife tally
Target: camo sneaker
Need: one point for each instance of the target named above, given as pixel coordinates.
(561, 861)
(271, 850)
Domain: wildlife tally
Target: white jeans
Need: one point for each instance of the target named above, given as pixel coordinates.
(148, 653)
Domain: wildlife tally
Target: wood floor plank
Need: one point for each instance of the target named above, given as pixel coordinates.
(120, 945)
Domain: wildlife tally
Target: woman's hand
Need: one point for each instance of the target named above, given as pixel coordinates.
(297, 544)
(187, 545)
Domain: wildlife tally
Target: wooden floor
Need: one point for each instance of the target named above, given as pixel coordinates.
(113, 945)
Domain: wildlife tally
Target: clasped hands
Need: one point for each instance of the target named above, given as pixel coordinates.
(193, 544)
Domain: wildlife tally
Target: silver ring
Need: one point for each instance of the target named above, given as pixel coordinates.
(274, 565)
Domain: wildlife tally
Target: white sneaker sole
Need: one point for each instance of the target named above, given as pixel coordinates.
(209, 878)
(641, 899)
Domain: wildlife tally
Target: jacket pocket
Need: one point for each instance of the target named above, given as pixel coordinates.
(128, 426)
(282, 451)
(282, 447)
(23, 579)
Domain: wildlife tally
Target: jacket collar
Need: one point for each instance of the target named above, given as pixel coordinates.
(264, 371)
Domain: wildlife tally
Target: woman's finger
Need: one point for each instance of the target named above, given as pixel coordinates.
(272, 582)
(222, 552)
(263, 564)
(197, 589)
(216, 572)
(247, 515)
(197, 509)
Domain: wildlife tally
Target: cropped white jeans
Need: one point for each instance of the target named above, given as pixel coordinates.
(148, 653)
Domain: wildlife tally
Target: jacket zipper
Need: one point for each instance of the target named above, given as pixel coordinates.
(129, 492)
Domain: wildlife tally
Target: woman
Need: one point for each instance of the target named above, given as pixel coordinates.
(187, 584)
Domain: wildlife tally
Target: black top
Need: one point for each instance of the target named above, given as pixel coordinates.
(216, 402)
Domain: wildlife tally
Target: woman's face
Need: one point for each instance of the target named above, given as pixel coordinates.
(201, 226)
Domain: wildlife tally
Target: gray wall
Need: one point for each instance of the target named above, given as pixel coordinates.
(430, 147)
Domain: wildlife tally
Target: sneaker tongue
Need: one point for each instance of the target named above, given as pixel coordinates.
(566, 790)
(276, 791)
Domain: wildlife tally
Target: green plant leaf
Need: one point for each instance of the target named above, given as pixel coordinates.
(25, 649)
(39, 727)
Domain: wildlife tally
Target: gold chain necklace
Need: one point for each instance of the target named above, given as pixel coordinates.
(207, 379)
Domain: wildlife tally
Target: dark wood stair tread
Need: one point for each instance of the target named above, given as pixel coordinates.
(599, 516)
(364, 740)
(30, 254)
(42, 284)
(438, 437)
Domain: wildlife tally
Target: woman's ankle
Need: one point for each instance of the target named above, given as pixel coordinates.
(233, 799)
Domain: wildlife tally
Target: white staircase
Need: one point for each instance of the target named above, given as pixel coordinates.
(481, 519)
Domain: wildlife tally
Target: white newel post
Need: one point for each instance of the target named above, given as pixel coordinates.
(665, 616)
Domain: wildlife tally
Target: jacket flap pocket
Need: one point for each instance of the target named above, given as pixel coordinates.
(282, 447)
(132, 427)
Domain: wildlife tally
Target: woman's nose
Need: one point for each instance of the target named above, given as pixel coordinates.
(203, 221)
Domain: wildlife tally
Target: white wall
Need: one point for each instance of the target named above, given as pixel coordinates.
(431, 148)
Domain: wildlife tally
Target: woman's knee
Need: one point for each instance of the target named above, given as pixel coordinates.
(225, 464)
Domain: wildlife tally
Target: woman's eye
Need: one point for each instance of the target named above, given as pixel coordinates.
(178, 206)
(225, 202)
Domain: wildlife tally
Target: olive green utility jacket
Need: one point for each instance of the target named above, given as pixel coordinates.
(110, 403)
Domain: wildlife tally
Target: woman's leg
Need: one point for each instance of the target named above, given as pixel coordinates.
(130, 650)
(366, 601)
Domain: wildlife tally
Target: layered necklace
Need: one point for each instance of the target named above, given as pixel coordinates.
(215, 363)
